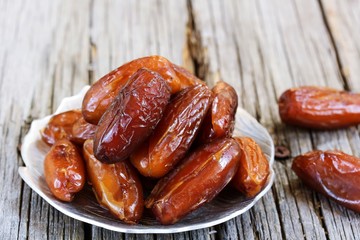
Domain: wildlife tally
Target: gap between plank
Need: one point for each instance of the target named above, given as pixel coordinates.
(197, 52)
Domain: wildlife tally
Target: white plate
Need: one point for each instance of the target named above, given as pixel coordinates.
(227, 205)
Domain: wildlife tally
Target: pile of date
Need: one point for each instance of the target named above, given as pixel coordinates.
(152, 121)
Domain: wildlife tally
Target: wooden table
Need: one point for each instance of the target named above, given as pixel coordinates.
(51, 49)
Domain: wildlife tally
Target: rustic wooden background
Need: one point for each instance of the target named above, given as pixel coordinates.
(51, 49)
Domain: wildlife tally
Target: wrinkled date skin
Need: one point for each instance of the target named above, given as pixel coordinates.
(202, 175)
(116, 186)
(132, 116)
(319, 108)
(64, 170)
(103, 92)
(253, 170)
(220, 120)
(82, 130)
(60, 126)
(175, 132)
(332, 173)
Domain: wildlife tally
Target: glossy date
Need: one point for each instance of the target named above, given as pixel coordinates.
(174, 134)
(82, 130)
(202, 175)
(186, 78)
(253, 169)
(60, 126)
(332, 173)
(132, 116)
(220, 120)
(116, 186)
(319, 107)
(103, 92)
(64, 170)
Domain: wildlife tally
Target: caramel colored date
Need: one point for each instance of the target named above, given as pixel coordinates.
(64, 170)
(253, 170)
(82, 130)
(220, 120)
(60, 126)
(103, 92)
(202, 175)
(332, 173)
(319, 108)
(186, 79)
(174, 134)
(132, 116)
(116, 186)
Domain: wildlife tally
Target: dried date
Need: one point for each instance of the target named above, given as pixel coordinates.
(132, 116)
(116, 186)
(82, 130)
(64, 170)
(103, 92)
(175, 132)
(60, 126)
(253, 169)
(202, 175)
(186, 78)
(319, 107)
(220, 120)
(332, 173)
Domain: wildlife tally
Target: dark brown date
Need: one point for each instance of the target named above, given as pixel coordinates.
(202, 175)
(64, 170)
(103, 92)
(132, 116)
(319, 107)
(253, 169)
(116, 186)
(60, 126)
(82, 130)
(174, 134)
(332, 173)
(220, 120)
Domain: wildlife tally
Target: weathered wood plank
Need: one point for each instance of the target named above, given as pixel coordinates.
(261, 47)
(146, 28)
(43, 56)
(274, 46)
(342, 19)
(65, 55)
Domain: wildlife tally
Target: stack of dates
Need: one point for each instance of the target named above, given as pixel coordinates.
(154, 118)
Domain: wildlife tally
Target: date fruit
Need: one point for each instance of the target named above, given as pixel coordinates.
(103, 92)
(82, 130)
(332, 173)
(132, 116)
(220, 120)
(64, 170)
(253, 170)
(175, 132)
(202, 175)
(319, 107)
(116, 186)
(186, 78)
(60, 126)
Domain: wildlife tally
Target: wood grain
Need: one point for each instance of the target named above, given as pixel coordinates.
(274, 46)
(44, 58)
(342, 19)
(51, 49)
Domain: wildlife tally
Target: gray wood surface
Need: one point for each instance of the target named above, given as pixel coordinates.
(50, 49)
